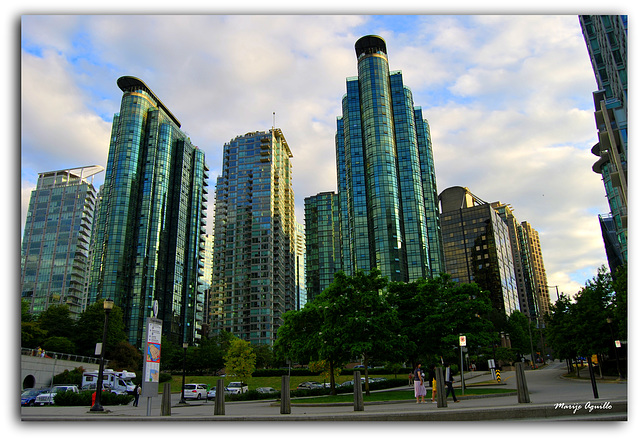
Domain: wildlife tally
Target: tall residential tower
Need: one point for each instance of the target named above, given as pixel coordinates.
(254, 274)
(606, 39)
(55, 244)
(387, 191)
(149, 238)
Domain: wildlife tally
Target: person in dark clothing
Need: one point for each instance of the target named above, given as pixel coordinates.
(448, 380)
(432, 382)
(136, 395)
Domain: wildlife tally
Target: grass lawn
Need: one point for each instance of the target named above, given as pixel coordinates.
(275, 382)
(256, 382)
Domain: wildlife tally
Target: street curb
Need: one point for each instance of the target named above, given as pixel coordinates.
(614, 411)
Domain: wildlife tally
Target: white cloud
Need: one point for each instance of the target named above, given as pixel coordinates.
(508, 100)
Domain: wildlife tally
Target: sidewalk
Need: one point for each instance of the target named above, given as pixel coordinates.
(552, 398)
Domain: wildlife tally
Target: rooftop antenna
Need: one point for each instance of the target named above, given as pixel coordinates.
(274, 121)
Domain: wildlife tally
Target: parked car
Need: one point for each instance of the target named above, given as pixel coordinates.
(311, 385)
(28, 396)
(48, 398)
(266, 390)
(195, 391)
(237, 387)
(350, 382)
(211, 394)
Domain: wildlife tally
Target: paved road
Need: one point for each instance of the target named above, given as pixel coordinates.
(552, 397)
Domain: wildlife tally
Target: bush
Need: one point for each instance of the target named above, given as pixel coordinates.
(70, 377)
(84, 398)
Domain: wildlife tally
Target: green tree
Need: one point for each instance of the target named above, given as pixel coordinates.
(57, 321)
(561, 329)
(264, 355)
(31, 335)
(435, 312)
(361, 313)
(25, 312)
(212, 354)
(125, 357)
(58, 344)
(594, 303)
(240, 360)
(90, 326)
(518, 329)
(299, 335)
(171, 355)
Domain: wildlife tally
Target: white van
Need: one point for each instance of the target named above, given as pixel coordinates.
(117, 382)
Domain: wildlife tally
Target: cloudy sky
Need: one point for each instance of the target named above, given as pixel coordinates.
(508, 99)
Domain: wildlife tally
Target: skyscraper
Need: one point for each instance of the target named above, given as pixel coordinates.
(322, 226)
(254, 274)
(301, 266)
(531, 276)
(477, 247)
(388, 199)
(606, 40)
(55, 244)
(149, 238)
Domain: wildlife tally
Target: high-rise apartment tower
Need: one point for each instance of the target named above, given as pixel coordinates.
(55, 244)
(606, 39)
(254, 274)
(149, 238)
(388, 199)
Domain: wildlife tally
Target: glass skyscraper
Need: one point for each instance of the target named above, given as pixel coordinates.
(606, 40)
(531, 276)
(322, 226)
(254, 274)
(477, 247)
(150, 228)
(388, 200)
(56, 240)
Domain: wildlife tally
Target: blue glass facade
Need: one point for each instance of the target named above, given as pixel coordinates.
(323, 246)
(254, 274)
(477, 247)
(386, 178)
(55, 245)
(150, 233)
(606, 40)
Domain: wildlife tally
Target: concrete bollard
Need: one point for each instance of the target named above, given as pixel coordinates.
(285, 396)
(358, 400)
(523, 390)
(165, 408)
(441, 391)
(218, 407)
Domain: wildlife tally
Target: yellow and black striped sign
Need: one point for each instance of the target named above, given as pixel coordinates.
(498, 375)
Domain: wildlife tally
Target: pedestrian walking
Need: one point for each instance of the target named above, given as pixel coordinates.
(448, 380)
(418, 384)
(136, 395)
(432, 380)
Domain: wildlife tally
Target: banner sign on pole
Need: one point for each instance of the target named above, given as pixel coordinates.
(151, 368)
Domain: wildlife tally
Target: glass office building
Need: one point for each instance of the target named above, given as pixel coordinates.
(477, 247)
(388, 201)
(531, 276)
(56, 240)
(322, 226)
(606, 40)
(150, 228)
(254, 274)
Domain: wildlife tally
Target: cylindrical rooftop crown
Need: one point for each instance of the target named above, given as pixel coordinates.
(370, 44)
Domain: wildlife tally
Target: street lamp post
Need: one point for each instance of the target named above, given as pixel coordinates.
(108, 305)
(184, 367)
